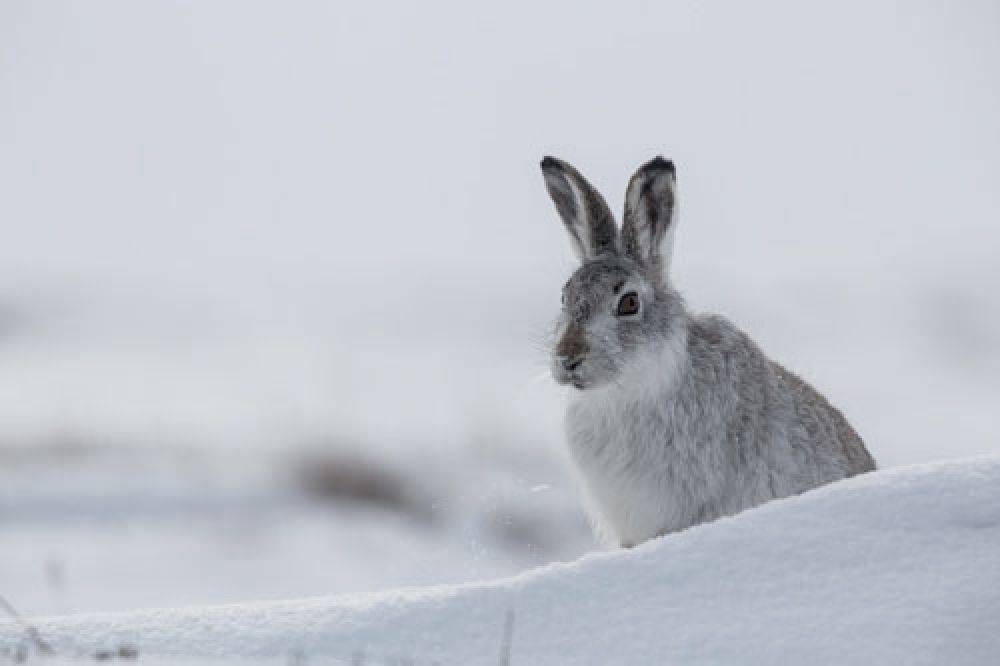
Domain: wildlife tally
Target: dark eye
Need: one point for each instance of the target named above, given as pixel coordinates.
(628, 304)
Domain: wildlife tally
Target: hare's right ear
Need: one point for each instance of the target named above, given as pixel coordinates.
(583, 210)
(649, 221)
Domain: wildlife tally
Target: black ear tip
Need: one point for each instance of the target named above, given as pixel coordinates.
(549, 162)
(660, 164)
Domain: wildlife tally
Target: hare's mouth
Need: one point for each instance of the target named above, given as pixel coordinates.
(565, 376)
(580, 372)
(577, 381)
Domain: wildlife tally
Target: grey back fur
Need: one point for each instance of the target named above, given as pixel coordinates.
(677, 418)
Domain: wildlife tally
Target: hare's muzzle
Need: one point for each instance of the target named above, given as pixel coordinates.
(571, 364)
(565, 370)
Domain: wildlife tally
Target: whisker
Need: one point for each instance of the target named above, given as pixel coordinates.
(539, 377)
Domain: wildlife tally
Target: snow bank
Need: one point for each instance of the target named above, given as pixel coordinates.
(899, 566)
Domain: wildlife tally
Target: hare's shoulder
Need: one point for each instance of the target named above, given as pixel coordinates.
(708, 328)
(715, 344)
(763, 393)
(724, 355)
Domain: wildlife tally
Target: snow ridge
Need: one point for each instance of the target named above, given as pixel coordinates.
(896, 566)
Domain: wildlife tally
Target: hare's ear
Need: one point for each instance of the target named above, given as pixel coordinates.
(649, 222)
(583, 210)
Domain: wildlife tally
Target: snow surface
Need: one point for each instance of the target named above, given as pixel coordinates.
(236, 235)
(899, 566)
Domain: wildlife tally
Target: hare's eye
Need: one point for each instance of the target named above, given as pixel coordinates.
(628, 304)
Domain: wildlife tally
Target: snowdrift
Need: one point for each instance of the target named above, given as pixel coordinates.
(898, 566)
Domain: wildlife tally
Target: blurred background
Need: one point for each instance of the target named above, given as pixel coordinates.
(276, 279)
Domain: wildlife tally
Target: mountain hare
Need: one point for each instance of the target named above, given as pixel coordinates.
(678, 418)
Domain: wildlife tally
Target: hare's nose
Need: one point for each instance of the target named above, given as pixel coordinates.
(571, 363)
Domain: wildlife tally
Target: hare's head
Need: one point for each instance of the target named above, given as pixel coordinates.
(617, 305)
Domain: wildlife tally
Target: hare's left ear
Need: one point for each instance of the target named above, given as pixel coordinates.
(649, 222)
(588, 219)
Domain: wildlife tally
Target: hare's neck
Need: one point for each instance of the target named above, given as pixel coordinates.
(658, 368)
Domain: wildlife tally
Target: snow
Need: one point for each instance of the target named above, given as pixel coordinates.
(897, 566)
(127, 530)
(241, 237)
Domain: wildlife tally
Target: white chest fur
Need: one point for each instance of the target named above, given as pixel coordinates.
(631, 449)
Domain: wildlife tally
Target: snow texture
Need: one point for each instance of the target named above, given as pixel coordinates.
(897, 566)
(241, 235)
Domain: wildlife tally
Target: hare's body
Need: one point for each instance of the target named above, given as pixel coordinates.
(707, 429)
(679, 419)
